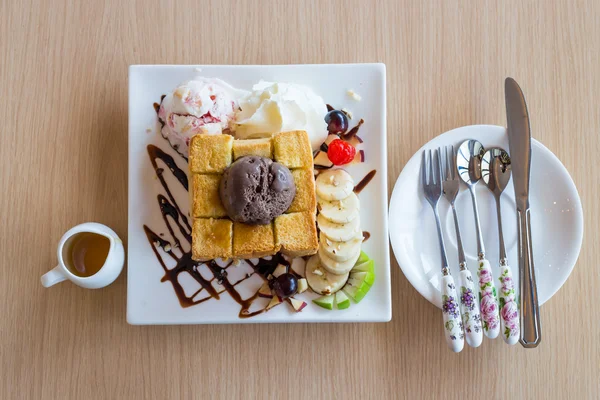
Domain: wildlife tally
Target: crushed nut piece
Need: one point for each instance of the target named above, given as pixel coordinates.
(354, 95)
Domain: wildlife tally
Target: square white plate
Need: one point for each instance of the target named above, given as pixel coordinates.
(150, 301)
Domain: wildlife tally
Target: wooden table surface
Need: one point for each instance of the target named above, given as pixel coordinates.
(63, 84)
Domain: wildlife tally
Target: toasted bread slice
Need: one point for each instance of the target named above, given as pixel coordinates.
(306, 198)
(210, 154)
(253, 241)
(293, 149)
(206, 202)
(296, 233)
(253, 147)
(212, 238)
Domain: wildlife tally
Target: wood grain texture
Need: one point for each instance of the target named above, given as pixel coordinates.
(63, 84)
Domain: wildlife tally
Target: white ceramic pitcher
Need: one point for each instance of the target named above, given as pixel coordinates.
(113, 265)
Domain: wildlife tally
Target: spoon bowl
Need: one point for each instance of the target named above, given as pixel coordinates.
(468, 161)
(496, 170)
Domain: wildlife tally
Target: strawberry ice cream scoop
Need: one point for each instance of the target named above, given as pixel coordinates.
(198, 106)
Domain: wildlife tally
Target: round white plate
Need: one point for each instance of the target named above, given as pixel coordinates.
(556, 214)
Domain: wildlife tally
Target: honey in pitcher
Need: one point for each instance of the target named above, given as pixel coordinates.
(85, 253)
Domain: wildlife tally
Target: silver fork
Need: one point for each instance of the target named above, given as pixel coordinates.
(431, 173)
(469, 306)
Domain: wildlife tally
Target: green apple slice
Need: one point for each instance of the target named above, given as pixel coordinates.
(366, 277)
(325, 301)
(359, 283)
(342, 301)
(362, 258)
(358, 286)
(355, 293)
(367, 266)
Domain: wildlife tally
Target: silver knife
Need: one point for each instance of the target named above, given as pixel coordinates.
(519, 140)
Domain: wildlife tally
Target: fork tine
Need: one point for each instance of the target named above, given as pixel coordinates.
(437, 166)
(430, 169)
(424, 168)
(454, 170)
(449, 172)
(444, 161)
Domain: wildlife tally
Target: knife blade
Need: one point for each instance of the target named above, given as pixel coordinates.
(519, 140)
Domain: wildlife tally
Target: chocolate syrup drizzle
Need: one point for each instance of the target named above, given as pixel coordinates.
(358, 188)
(172, 214)
(352, 132)
(364, 182)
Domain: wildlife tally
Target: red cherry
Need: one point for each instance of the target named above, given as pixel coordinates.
(340, 152)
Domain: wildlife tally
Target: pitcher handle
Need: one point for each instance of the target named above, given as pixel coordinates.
(53, 277)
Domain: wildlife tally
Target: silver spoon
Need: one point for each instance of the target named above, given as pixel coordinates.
(495, 172)
(468, 163)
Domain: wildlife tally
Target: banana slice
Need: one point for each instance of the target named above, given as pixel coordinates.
(340, 211)
(340, 251)
(334, 184)
(339, 232)
(321, 281)
(337, 267)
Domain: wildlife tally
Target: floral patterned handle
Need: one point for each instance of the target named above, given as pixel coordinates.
(453, 326)
(509, 310)
(469, 309)
(488, 300)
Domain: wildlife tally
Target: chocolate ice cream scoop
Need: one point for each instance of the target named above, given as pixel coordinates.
(254, 190)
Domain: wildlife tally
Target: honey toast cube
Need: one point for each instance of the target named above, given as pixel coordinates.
(210, 154)
(253, 241)
(253, 147)
(296, 233)
(211, 238)
(293, 149)
(206, 201)
(305, 199)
